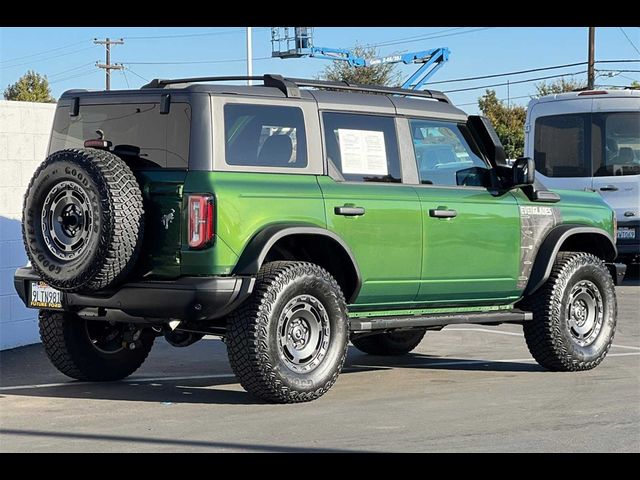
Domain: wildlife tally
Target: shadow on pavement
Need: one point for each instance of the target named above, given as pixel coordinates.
(217, 386)
(166, 441)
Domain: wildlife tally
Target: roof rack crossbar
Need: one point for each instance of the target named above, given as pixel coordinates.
(291, 86)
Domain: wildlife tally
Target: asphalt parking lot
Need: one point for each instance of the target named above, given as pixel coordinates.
(466, 388)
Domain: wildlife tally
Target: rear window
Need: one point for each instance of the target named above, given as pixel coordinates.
(137, 132)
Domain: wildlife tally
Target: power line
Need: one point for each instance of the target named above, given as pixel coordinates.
(64, 72)
(518, 72)
(185, 35)
(195, 62)
(43, 52)
(512, 83)
(629, 40)
(500, 99)
(49, 58)
(137, 75)
(414, 36)
(540, 69)
(125, 77)
(427, 37)
(77, 75)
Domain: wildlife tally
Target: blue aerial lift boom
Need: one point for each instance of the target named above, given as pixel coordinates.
(300, 44)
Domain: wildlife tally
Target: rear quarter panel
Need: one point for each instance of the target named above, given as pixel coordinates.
(244, 204)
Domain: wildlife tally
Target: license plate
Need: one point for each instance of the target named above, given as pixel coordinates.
(626, 233)
(42, 295)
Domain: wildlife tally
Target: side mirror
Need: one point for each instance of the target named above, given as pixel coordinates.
(523, 172)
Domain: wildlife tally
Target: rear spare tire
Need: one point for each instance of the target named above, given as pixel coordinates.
(83, 220)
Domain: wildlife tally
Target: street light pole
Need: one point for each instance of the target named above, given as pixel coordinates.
(249, 56)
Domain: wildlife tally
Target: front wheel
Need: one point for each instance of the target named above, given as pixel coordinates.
(93, 350)
(574, 314)
(288, 342)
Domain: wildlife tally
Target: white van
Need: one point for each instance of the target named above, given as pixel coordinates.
(591, 140)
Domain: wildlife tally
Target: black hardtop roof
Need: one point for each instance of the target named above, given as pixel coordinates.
(275, 86)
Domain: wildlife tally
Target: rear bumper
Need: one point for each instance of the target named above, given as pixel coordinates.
(186, 298)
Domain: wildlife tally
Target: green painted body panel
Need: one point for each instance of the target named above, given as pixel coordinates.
(386, 241)
(410, 263)
(245, 203)
(473, 257)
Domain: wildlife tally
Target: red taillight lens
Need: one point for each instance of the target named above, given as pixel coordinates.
(200, 220)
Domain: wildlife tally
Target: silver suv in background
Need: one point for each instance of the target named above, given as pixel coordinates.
(590, 140)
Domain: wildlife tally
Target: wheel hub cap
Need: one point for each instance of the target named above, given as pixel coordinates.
(66, 220)
(303, 333)
(585, 313)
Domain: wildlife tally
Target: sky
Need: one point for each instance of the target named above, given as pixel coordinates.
(67, 55)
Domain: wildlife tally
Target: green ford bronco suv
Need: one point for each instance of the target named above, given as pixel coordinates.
(292, 217)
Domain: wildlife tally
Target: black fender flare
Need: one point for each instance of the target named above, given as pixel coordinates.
(551, 246)
(256, 251)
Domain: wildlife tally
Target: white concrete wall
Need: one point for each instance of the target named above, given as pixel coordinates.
(24, 134)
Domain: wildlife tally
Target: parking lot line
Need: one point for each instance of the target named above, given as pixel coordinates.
(134, 381)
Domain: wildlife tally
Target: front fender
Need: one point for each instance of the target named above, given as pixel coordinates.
(560, 235)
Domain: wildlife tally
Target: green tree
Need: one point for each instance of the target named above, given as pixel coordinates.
(559, 86)
(635, 85)
(382, 74)
(31, 87)
(508, 121)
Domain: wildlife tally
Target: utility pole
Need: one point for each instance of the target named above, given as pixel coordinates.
(249, 56)
(107, 65)
(590, 69)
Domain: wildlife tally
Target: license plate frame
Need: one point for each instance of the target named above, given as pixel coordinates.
(43, 296)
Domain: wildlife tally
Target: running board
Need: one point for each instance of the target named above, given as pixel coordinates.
(439, 320)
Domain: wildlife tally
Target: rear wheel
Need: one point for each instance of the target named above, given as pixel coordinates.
(93, 350)
(288, 342)
(390, 343)
(574, 314)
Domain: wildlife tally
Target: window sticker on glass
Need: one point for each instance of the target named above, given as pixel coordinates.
(363, 151)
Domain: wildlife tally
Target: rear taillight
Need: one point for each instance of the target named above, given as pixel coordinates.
(200, 220)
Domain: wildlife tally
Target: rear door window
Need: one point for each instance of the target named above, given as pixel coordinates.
(264, 136)
(363, 148)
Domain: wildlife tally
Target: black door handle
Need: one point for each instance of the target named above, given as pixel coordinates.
(442, 213)
(609, 188)
(349, 211)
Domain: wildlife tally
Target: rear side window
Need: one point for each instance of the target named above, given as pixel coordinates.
(363, 148)
(264, 136)
(137, 132)
(561, 147)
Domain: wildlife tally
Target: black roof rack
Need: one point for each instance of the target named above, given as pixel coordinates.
(291, 86)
